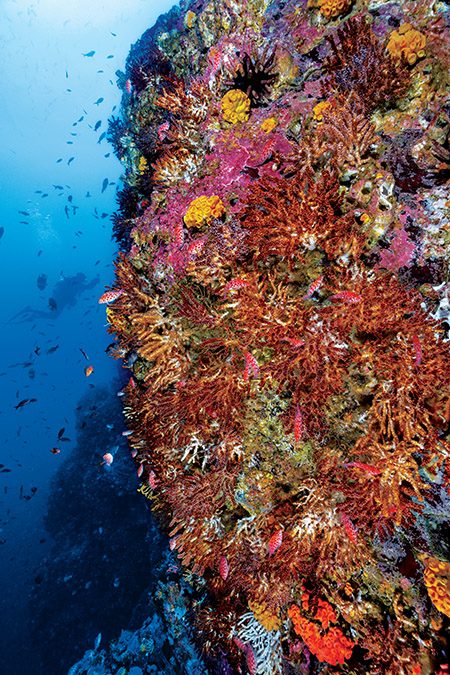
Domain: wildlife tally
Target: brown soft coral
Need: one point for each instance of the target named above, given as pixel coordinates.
(358, 62)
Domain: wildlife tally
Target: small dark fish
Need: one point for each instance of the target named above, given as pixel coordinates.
(70, 198)
(58, 187)
(70, 161)
(73, 133)
(59, 160)
(69, 90)
(24, 222)
(52, 350)
(66, 439)
(67, 74)
(42, 281)
(101, 137)
(25, 401)
(104, 184)
(81, 119)
(107, 154)
(52, 304)
(39, 253)
(44, 195)
(69, 142)
(61, 433)
(24, 213)
(66, 210)
(98, 101)
(84, 354)
(104, 215)
(37, 351)
(91, 53)
(87, 195)
(97, 262)
(5, 470)
(114, 34)
(110, 56)
(100, 71)
(2, 232)
(98, 125)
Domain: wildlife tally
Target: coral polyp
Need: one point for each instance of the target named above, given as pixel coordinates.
(235, 106)
(283, 308)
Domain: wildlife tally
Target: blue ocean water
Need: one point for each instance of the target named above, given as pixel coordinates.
(58, 79)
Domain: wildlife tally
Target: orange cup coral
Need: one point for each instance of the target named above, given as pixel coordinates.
(437, 581)
(407, 44)
(235, 106)
(331, 646)
(330, 9)
(320, 109)
(202, 210)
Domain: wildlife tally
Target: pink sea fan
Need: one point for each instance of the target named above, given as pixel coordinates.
(399, 254)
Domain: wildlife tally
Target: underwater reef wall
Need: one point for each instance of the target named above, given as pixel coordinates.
(281, 299)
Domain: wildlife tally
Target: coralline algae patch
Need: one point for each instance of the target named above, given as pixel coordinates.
(283, 309)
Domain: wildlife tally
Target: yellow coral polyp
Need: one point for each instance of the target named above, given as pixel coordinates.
(407, 44)
(203, 209)
(189, 19)
(143, 165)
(269, 125)
(235, 106)
(330, 9)
(319, 110)
(437, 580)
(269, 619)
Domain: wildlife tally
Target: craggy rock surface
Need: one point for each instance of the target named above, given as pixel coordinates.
(282, 305)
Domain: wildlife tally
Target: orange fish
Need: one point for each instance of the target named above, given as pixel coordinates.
(313, 288)
(348, 296)
(349, 527)
(224, 568)
(162, 130)
(251, 364)
(294, 342)
(110, 296)
(368, 468)
(140, 470)
(55, 451)
(417, 349)
(250, 659)
(233, 285)
(275, 541)
(88, 370)
(108, 458)
(298, 424)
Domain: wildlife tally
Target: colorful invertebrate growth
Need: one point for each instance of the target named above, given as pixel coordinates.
(281, 300)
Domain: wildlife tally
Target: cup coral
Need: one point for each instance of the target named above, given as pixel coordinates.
(437, 581)
(407, 44)
(331, 9)
(202, 210)
(235, 106)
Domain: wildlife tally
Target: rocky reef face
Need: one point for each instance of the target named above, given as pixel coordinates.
(281, 299)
